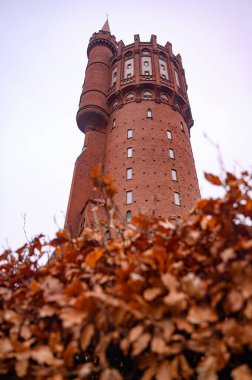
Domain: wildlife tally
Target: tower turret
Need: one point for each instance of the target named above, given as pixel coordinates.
(93, 108)
(135, 113)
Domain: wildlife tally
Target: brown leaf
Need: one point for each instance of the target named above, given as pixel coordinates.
(141, 344)
(199, 315)
(135, 333)
(234, 301)
(163, 372)
(94, 256)
(71, 316)
(110, 374)
(149, 372)
(85, 370)
(86, 336)
(170, 281)
(152, 293)
(243, 372)
(207, 369)
(158, 345)
(5, 346)
(177, 302)
(22, 363)
(213, 179)
(68, 354)
(43, 355)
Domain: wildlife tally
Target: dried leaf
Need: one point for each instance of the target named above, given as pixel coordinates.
(110, 374)
(135, 333)
(152, 293)
(242, 372)
(158, 345)
(213, 179)
(141, 344)
(86, 336)
(94, 256)
(43, 355)
(199, 315)
(163, 372)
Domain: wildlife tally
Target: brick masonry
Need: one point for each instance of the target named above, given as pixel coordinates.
(110, 106)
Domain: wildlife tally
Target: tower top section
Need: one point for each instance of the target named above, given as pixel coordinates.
(106, 27)
(103, 38)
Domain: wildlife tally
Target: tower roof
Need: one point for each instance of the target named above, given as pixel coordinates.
(106, 27)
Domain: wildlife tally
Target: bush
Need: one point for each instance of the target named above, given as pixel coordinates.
(155, 302)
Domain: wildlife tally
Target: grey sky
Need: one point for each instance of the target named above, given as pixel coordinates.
(43, 58)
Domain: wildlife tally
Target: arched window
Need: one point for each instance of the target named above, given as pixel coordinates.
(163, 67)
(129, 54)
(128, 216)
(115, 104)
(146, 52)
(164, 98)
(162, 56)
(129, 97)
(147, 95)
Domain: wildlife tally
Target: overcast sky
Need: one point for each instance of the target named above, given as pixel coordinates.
(43, 59)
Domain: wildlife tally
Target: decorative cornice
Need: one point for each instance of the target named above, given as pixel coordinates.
(101, 42)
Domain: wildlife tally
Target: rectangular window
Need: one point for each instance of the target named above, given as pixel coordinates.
(146, 63)
(128, 216)
(128, 197)
(149, 113)
(162, 67)
(129, 133)
(128, 75)
(129, 173)
(146, 72)
(171, 153)
(177, 199)
(177, 78)
(169, 135)
(129, 66)
(174, 175)
(129, 152)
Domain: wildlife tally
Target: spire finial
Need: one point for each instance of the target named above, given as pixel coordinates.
(106, 27)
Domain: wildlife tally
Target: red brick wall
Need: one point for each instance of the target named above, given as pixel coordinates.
(152, 184)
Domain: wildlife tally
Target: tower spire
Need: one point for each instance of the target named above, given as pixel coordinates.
(106, 27)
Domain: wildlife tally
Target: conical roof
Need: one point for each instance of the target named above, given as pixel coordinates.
(106, 27)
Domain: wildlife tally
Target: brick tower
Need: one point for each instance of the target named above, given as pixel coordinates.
(135, 113)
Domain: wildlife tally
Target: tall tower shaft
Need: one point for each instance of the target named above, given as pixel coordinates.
(136, 116)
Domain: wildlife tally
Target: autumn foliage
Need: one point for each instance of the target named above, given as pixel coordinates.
(155, 302)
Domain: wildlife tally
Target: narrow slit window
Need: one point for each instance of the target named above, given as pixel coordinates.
(171, 153)
(169, 135)
(174, 175)
(129, 152)
(149, 113)
(128, 216)
(182, 127)
(129, 133)
(129, 197)
(114, 123)
(177, 199)
(129, 173)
